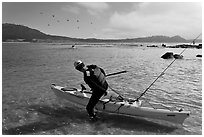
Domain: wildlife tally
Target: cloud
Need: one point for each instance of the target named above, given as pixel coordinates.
(159, 19)
(94, 8)
(71, 8)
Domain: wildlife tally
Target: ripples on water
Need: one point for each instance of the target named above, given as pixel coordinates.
(180, 86)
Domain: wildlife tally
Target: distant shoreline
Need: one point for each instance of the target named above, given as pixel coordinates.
(135, 44)
(15, 42)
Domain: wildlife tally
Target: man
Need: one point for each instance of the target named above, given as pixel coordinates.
(94, 76)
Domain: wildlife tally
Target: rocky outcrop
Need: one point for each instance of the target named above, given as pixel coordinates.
(199, 55)
(177, 56)
(170, 55)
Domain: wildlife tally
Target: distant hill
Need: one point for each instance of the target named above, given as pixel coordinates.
(12, 32)
(20, 32)
(159, 39)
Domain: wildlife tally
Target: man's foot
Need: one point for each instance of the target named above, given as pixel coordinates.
(94, 118)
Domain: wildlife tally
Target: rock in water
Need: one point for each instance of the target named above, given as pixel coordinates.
(199, 55)
(177, 56)
(168, 55)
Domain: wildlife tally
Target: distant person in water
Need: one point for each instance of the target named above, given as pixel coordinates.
(94, 76)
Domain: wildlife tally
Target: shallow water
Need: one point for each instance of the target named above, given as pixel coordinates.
(30, 107)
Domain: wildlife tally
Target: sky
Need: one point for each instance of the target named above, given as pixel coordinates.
(107, 20)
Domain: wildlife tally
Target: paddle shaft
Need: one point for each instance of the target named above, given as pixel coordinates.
(116, 73)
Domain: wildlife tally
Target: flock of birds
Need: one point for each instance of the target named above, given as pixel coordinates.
(58, 21)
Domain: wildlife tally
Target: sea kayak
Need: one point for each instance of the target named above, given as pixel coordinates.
(125, 107)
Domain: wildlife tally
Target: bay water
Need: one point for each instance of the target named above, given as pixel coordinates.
(30, 107)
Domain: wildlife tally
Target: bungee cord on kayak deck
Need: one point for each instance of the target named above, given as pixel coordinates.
(162, 73)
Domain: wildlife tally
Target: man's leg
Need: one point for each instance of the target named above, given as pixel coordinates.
(92, 102)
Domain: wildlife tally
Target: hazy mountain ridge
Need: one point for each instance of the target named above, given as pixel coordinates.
(12, 32)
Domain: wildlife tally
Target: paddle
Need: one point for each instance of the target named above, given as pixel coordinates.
(116, 73)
